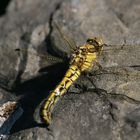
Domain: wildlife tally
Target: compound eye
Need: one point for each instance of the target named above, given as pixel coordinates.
(93, 42)
(90, 41)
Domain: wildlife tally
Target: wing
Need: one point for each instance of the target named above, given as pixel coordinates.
(58, 48)
(122, 60)
(120, 72)
(112, 55)
(69, 42)
(61, 43)
(121, 56)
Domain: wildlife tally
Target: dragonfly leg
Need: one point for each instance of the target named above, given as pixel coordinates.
(80, 88)
(98, 65)
(123, 97)
(83, 87)
(116, 96)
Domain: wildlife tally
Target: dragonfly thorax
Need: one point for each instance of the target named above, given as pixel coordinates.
(96, 43)
(86, 54)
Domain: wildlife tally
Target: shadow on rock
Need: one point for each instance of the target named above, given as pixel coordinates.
(34, 91)
(3, 6)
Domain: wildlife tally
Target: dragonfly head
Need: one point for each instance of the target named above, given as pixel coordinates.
(96, 42)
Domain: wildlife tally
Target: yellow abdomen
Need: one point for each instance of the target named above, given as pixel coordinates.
(71, 75)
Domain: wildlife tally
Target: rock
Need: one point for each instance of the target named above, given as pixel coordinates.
(10, 112)
(107, 106)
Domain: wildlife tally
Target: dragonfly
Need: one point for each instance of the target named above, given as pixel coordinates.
(82, 59)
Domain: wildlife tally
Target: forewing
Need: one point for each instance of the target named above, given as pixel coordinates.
(120, 55)
(120, 73)
(63, 44)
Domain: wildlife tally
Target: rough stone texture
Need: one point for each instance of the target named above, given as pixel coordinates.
(94, 113)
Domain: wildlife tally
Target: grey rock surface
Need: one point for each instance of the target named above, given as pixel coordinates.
(105, 107)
